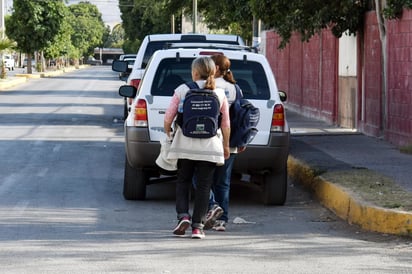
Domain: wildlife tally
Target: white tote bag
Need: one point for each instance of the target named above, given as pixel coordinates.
(162, 161)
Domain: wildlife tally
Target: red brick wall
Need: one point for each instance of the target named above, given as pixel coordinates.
(399, 101)
(307, 72)
(370, 120)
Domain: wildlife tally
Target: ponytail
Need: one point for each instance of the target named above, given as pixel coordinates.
(224, 67)
(210, 82)
(228, 76)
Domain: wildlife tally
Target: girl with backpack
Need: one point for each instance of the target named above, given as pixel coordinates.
(196, 156)
(217, 216)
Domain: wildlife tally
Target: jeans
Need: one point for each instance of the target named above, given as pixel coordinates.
(204, 178)
(221, 187)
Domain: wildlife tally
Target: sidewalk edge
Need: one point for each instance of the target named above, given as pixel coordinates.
(352, 210)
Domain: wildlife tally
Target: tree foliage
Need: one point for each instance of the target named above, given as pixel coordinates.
(308, 17)
(88, 27)
(394, 8)
(234, 17)
(61, 44)
(142, 17)
(116, 38)
(34, 24)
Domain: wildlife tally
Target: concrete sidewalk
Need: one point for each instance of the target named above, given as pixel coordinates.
(362, 179)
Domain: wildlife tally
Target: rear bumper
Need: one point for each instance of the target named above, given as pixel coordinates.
(269, 158)
(141, 153)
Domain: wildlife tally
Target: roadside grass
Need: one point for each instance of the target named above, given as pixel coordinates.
(369, 186)
(406, 149)
(373, 188)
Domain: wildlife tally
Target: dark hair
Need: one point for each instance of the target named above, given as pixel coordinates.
(224, 67)
(206, 68)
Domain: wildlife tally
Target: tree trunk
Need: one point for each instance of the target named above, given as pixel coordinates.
(380, 5)
(29, 67)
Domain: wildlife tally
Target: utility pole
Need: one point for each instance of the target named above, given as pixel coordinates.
(194, 15)
(172, 23)
(256, 32)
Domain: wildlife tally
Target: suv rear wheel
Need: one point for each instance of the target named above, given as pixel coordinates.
(134, 184)
(275, 188)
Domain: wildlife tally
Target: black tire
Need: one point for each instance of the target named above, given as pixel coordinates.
(275, 188)
(134, 184)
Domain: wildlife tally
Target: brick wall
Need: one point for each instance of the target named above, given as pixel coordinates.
(307, 72)
(399, 101)
(370, 100)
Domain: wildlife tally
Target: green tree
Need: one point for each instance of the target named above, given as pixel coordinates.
(232, 17)
(142, 17)
(88, 27)
(61, 44)
(308, 17)
(34, 24)
(106, 40)
(116, 37)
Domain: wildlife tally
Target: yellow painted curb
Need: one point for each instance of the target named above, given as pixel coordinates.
(349, 207)
(20, 78)
(51, 73)
(10, 82)
(26, 75)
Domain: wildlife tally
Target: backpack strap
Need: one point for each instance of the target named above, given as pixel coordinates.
(192, 85)
(239, 94)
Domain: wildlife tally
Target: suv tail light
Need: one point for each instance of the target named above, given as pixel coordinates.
(278, 118)
(140, 114)
(135, 83)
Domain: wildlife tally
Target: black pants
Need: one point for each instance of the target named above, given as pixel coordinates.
(204, 178)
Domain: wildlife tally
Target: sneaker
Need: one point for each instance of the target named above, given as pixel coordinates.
(220, 225)
(181, 227)
(212, 215)
(197, 233)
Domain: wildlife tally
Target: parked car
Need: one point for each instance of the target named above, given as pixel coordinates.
(265, 159)
(154, 42)
(128, 55)
(130, 62)
(8, 62)
(94, 62)
(33, 63)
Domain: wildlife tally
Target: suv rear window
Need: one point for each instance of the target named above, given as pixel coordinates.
(249, 75)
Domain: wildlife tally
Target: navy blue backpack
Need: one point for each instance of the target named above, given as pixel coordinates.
(244, 118)
(198, 117)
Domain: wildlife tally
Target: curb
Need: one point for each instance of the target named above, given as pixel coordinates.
(8, 83)
(353, 210)
(20, 78)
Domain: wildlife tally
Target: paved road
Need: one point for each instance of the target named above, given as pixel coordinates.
(61, 208)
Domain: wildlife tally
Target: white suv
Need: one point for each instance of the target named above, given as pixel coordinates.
(264, 159)
(154, 42)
